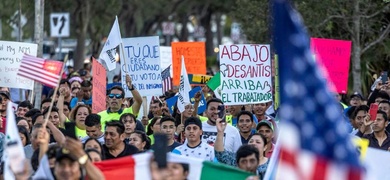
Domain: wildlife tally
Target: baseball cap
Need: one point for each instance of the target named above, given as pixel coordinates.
(5, 93)
(265, 123)
(193, 120)
(356, 94)
(64, 153)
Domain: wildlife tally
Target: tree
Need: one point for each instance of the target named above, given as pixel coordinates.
(365, 22)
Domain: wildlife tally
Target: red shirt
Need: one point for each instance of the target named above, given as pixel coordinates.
(2, 129)
(269, 153)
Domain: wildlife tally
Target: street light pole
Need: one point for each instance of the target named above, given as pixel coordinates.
(38, 39)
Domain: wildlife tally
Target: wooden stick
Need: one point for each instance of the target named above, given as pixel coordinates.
(55, 92)
(145, 106)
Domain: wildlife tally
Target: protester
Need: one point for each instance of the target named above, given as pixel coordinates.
(140, 141)
(155, 108)
(92, 143)
(78, 115)
(357, 118)
(83, 96)
(194, 146)
(245, 123)
(267, 130)
(29, 114)
(167, 126)
(64, 84)
(23, 107)
(24, 135)
(54, 117)
(115, 99)
(257, 140)
(130, 123)
(5, 97)
(93, 128)
(23, 122)
(153, 127)
(379, 138)
(232, 136)
(115, 146)
(94, 155)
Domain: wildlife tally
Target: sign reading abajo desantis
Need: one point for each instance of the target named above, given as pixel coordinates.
(245, 73)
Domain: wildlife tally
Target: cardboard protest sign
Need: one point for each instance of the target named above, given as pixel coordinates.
(199, 79)
(142, 56)
(99, 87)
(166, 57)
(335, 57)
(245, 73)
(194, 56)
(11, 54)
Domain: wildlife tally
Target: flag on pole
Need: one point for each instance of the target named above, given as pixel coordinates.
(184, 88)
(166, 79)
(108, 53)
(215, 84)
(137, 167)
(12, 146)
(313, 141)
(41, 70)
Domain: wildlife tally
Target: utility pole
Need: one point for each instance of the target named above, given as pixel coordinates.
(38, 39)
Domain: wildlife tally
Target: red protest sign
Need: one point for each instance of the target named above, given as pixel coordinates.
(194, 57)
(335, 57)
(99, 87)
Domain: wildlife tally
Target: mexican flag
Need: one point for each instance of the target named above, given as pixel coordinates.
(215, 84)
(137, 167)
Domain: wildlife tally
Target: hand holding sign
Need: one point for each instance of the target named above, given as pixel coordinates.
(197, 96)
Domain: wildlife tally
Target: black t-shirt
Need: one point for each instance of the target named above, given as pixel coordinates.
(129, 150)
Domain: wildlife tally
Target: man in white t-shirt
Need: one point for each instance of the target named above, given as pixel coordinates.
(193, 146)
(232, 138)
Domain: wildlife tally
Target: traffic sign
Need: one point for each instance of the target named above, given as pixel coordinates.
(59, 24)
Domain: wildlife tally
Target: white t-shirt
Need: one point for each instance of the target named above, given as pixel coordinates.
(232, 138)
(202, 151)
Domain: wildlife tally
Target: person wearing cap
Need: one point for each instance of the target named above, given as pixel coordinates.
(194, 146)
(232, 137)
(266, 128)
(356, 99)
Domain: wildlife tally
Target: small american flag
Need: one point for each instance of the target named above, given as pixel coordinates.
(166, 79)
(313, 141)
(44, 71)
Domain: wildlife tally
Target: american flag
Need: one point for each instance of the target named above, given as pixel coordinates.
(166, 79)
(44, 71)
(313, 142)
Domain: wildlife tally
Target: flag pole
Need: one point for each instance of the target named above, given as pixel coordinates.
(55, 92)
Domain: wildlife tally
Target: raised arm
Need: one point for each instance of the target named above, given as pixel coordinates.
(221, 126)
(60, 106)
(136, 96)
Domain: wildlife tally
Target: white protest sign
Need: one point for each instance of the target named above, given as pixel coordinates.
(245, 73)
(166, 57)
(11, 54)
(142, 56)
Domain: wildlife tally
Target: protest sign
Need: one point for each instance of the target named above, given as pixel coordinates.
(245, 73)
(11, 54)
(99, 87)
(198, 79)
(335, 56)
(142, 56)
(166, 57)
(194, 56)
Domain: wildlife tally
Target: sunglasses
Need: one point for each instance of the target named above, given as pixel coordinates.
(117, 96)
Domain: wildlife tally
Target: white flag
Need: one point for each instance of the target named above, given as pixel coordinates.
(184, 88)
(114, 39)
(13, 147)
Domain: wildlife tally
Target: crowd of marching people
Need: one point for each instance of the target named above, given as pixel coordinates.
(241, 136)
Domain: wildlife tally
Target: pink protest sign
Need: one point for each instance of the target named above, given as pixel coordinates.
(335, 56)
